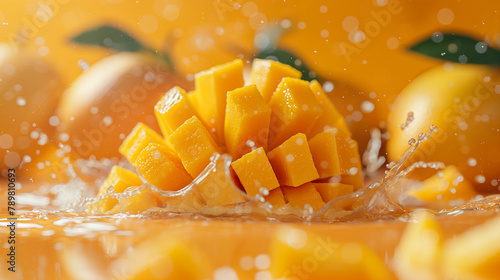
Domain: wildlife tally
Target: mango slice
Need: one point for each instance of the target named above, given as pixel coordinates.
(137, 140)
(120, 179)
(212, 87)
(294, 109)
(447, 184)
(163, 256)
(419, 251)
(194, 145)
(247, 121)
(276, 198)
(475, 254)
(292, 162)
(329, 191)
(302, 195)
(173, 110)
(331, 116)
(161, 168)
(140, 202)
(298, 254)
(255, 172)
(267, 74)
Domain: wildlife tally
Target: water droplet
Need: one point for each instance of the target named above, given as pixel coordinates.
(471, 162)
(20, 101)
(437, 37)
(412, 141)
(84, 65)
(480, 179)
(481, 47)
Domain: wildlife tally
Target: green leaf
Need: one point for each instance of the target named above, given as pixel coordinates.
(458, 48)
(109, 37)
(289, 58)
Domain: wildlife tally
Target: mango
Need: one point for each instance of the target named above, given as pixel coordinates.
(140, 202)
(302, 195)
(292, 162)
(212, 86)
(329, 191)
(419, 251)
(299, 254)
(475, 254)
(294, 109)
(247, 120)
(137, 140)
(267, 74)
(331, 116)
(255, 172)
(276, 198)
(120, 179)
(172, 110)
(161, 168)
(163, 256)
(194, 145)
(447, 184)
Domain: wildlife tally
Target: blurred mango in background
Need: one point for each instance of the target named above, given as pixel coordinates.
(358, 48)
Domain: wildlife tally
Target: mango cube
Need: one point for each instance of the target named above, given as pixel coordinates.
(120, 179)
(294, 109)
(276, 198)
(447, 184)
(302, 195)
(254, 172)
(194, 145)
(419, 251)
(325, 153)
(292, 162)
(299, 254)
(267, 74)
(137, 140)
(140, 202)
(247, 121)
(475, 254)
(172, 110)
(329, 191)
(161, 168)
(212, 87)
(331, 116)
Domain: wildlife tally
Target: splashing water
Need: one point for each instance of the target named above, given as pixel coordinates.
(409, 119)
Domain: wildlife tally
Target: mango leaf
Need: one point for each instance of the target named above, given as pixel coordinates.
(289, 58)
(458, 48)
(109, 37)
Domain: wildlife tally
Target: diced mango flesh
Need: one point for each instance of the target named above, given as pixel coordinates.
(120, 179)
(292, 162)
(161, 168)
(267, 74)
(173, 109)
(247, 121)
(447, 184)
(294, 109)
(137, 140)
(331, 116)
(212, 87)
(194, 145)
(140, 202)
(419, 251)
(255, 172)
(276, 198)
(329, 191)
(302, 195)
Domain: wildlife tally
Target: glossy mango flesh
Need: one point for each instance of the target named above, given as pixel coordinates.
(282, 133)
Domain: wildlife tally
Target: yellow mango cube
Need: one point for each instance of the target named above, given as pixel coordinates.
(292, 162)
(331, 116)
(161, 168)
(447, 184)
(329, 191)
(299, 254)
(194, 145)
(137, 140)
(212, 86)
(294, 109)
(419, 251)
(325, 154)
(302, 195)
(267, 74)
(255, 172)
(140, 202)
(276, 198)
(473, 255)
(246, 122)
(120, 179)
(172, 110)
